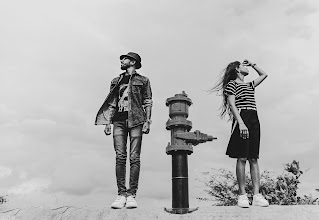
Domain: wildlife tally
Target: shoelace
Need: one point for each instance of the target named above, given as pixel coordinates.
(243, 197)
(259, 196)
(130, 198)
(118, 198)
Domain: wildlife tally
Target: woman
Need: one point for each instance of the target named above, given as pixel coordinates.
(239, 104)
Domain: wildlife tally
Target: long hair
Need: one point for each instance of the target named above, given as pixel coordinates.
(229, 73)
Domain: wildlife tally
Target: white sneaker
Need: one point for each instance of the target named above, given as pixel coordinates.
(131, 202)
(119, 202)
(243, 201)
(259, 200)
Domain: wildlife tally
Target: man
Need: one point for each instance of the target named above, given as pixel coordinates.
(128, 106)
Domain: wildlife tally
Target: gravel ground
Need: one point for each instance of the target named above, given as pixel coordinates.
(310, 212)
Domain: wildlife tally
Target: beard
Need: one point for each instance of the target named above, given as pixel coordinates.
(125, 66)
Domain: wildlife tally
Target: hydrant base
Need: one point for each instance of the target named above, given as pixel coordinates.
(180, 210)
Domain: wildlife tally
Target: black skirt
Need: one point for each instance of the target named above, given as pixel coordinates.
(245, 148)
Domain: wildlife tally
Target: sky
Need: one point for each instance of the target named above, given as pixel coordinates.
(57, 60)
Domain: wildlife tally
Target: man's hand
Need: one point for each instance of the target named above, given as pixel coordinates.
(107, 129)
(146, 128)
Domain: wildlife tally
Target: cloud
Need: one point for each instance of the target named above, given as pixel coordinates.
(301, 9)
(5, 171)
(80, 175)
(29, 186)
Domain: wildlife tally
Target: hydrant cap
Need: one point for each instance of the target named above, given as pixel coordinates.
(179, 98)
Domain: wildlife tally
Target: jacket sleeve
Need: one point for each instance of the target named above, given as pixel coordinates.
(147, 94)
(107, 110)
(110, 111)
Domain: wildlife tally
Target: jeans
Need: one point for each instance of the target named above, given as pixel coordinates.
(120, 133)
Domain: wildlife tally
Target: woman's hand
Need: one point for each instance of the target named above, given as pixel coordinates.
(243, 131)
(247, 63)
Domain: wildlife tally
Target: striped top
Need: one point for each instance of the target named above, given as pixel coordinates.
(244, 94)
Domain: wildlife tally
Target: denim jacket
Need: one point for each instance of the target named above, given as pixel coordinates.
(139, 97)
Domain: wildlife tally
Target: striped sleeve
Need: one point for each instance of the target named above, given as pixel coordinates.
(230, 88)
(252, 85)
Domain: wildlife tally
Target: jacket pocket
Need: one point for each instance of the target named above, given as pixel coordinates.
(137, 87)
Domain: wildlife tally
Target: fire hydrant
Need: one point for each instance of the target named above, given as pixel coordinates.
(180, 147)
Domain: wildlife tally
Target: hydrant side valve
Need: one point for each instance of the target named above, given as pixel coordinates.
(195, 137)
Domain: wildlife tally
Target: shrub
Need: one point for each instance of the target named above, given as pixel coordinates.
(2, 200)
(278, 190)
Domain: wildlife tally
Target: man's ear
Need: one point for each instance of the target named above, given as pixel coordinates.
(133, 62)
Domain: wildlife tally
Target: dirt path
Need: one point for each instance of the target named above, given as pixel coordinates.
(228, 213)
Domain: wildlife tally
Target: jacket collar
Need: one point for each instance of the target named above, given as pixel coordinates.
(134, 73)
